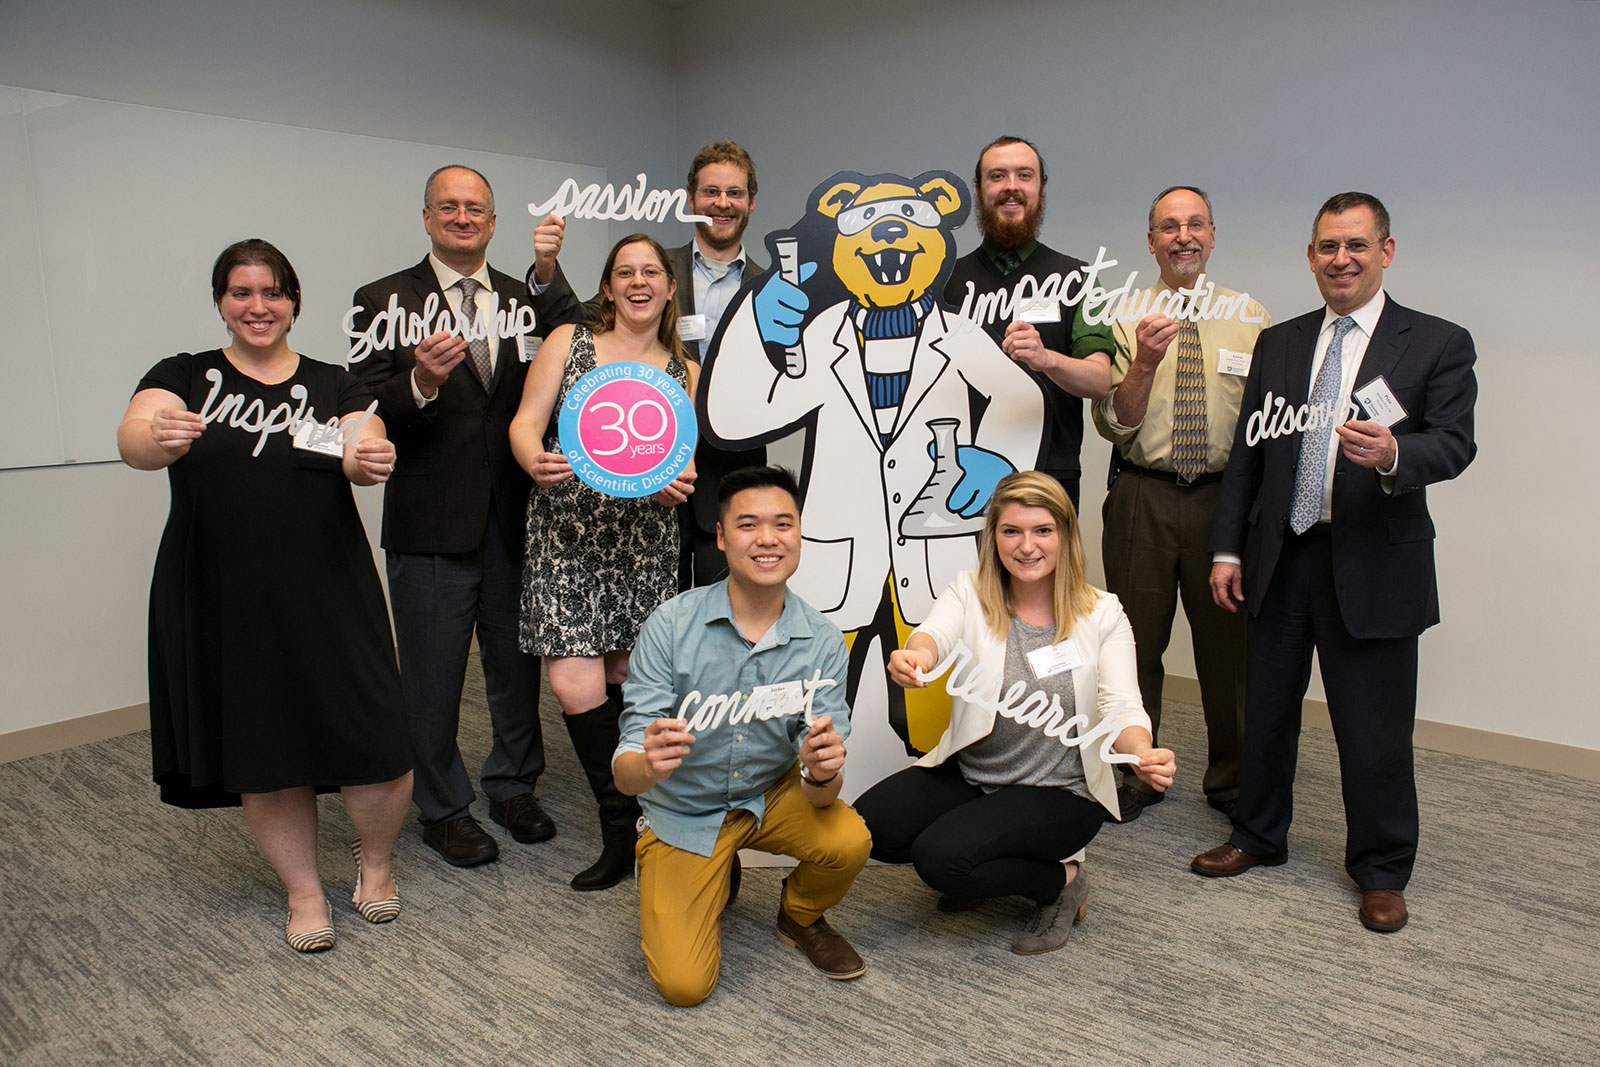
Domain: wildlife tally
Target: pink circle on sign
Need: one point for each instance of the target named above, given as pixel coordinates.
(627, 427)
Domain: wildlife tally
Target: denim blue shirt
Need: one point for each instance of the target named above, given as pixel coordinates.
(692, 662)
(712, 293)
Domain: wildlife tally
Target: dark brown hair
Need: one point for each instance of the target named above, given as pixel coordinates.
(254, 252)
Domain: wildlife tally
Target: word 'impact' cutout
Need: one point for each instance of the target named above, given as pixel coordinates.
(629, 202)
(1102, 306)
(763, 703)
(1034, 711)
(1277, 419)
(627, 428)
(255, 418)
(395, 326)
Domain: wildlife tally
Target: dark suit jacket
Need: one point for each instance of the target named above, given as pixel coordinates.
(1382, 543)
(453, 455)
(558, 305)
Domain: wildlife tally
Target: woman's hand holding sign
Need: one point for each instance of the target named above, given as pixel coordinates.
(549, 469)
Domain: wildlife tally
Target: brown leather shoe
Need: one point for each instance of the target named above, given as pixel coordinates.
(461, 841)
(823, 946)
(1383, 910)
(1225, 861)
(523, 816)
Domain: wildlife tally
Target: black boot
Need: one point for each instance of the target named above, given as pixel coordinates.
(594, 738)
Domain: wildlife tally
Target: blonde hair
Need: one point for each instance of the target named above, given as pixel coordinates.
(1072, 597)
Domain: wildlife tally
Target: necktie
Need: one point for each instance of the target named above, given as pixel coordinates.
(1189, 406)
(1324, 399)
(478, 349)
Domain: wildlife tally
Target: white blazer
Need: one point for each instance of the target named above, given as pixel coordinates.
(1106, 685)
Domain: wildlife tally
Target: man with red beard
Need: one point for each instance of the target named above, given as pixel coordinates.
(1068, 358)
(709, 270)
(1171, 413)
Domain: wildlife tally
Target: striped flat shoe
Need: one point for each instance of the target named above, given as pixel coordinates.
(311, 941)
(374, 911)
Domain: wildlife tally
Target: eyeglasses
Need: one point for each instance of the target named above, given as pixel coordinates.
(1356, 246)
(856, 219)
(448, 209)
(711, 192)
(1172, 227)
(650, 274)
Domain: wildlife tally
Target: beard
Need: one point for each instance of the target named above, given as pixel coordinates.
(722, 244)
(1010, 233)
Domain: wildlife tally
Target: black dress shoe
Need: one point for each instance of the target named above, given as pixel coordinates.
(461, 841)
(523, 816)
(1223, 804)
(1132, 800)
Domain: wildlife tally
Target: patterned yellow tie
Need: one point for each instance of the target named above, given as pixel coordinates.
(1189, 406)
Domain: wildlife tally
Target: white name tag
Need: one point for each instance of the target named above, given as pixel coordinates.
(1235, 363)
(1041, 311)
(314, 436)
(1379, 400)
(528, 346)
(692, 328)
(1054, 659)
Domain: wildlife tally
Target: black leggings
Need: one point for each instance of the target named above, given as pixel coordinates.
(973, 844)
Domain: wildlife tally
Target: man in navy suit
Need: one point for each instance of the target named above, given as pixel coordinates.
(1323, 534)
(454, 518)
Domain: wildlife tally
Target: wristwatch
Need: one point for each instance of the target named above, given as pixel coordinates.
(805, 775)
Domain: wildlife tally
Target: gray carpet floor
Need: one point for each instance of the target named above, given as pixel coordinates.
(136, 934)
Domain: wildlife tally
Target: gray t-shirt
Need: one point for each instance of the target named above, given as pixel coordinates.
(1014, 754)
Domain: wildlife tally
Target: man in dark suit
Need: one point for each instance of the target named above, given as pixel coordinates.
(1323, 533)
(453, 524)
(709, 270)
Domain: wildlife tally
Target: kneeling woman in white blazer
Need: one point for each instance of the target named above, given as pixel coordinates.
(1001, 801)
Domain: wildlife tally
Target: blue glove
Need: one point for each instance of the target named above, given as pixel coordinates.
(780, 308)
(981, 471)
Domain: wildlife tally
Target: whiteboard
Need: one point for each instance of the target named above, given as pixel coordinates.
(117, 211)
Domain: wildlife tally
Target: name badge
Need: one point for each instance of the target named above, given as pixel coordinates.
(1234, 363)
(1054, 659)
(314, 436)
(1381, 405)
(692, 328)
(528, 346)
(1041, 311)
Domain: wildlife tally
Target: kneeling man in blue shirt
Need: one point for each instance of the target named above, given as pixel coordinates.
(733, 737)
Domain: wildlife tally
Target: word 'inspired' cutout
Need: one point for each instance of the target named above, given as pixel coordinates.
(255, 418)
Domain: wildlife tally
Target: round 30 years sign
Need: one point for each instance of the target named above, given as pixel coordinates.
(627, 429)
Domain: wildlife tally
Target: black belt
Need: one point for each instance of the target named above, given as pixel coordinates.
(1170, 476)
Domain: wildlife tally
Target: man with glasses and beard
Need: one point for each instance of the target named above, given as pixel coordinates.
(1068, 358)
(710, 269)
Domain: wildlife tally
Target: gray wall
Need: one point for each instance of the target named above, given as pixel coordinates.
(551, 81)
(1473, 120)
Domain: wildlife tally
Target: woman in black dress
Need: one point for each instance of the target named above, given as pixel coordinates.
(272, 669)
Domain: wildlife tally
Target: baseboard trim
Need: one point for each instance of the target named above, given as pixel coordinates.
(1447, 737)
(1434, 736)
(69, 733)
